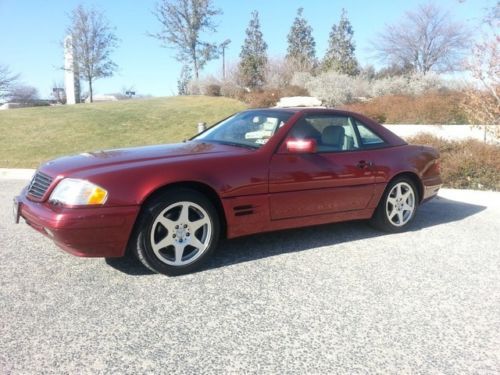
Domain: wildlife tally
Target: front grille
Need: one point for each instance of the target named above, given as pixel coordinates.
(39, 185)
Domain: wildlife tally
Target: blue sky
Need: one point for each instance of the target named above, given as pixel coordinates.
(31, 31)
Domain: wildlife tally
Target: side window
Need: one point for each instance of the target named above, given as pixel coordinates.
(368, 137)
(331, 133)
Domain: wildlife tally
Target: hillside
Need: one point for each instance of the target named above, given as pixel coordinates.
(29, 136)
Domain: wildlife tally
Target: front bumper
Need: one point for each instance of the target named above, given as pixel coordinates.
(85, 232)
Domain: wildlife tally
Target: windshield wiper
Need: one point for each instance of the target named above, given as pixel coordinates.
(236, 144)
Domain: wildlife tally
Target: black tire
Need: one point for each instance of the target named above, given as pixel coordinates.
(381, 217)
(164, 207)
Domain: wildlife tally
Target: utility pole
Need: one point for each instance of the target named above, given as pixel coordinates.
(223, 47)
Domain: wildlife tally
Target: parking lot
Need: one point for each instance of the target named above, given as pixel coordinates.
(339, 298)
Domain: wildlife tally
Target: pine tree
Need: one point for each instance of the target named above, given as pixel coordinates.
(340, 55)
(301, 52)
(253, 63)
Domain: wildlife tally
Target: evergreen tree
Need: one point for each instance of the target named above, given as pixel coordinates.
(301, 52)
(253, 63)
(340, 55)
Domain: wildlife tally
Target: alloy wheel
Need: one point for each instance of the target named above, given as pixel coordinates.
(400, 204)
(181, 233)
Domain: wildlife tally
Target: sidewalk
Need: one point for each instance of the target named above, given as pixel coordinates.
(16, 174)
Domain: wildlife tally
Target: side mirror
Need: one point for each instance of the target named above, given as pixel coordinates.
(301, 146)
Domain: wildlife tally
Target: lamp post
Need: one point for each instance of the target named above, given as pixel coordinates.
(223, 47)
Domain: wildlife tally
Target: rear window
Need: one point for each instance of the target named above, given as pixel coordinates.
(368, 137)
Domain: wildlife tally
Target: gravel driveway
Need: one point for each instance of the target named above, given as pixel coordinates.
(330, 299)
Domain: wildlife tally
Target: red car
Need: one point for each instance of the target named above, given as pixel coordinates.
(256, 171)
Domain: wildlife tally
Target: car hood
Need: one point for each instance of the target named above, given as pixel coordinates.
(107, 158)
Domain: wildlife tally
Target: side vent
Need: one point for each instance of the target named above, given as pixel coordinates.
(247, 209)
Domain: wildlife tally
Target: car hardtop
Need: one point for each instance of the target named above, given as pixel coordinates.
(389, 137)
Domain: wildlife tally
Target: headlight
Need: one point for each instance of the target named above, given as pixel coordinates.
(76, 192)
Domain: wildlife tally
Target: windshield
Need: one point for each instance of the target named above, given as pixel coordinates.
(248, 129)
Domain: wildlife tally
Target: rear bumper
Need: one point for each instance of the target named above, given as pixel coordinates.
(85, 232)
(431, 187)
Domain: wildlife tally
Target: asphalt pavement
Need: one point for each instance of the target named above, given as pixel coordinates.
(340, 298)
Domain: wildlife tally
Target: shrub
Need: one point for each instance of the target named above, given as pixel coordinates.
(414, 84)
(206, 86)
(332, 88)
(194, 87)
(431, 108)
(336, 89)
(468, 164)
(262, 99)
(232, 90)
(212, 90)
(269, 97)
(293, 91)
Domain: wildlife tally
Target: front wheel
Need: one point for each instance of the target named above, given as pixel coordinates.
(176, 232)
(397, 207)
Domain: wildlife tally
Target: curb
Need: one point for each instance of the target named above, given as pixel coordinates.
(16, 174)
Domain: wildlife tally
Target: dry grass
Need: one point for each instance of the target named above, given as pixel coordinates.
(29, 136)
(431, 108)
(466, 164)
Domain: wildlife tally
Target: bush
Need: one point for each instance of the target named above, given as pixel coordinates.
(230, 89)
(262, 99)
(293, 91)
(212, 90)
(431, 108)
(468, 164)
(336, 89)
(209, 86)
(269, 97)
(332, 88)
(414, 84)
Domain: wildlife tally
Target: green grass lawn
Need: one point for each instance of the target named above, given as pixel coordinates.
(30, 136)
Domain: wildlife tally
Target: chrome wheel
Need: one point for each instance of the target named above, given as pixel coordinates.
(181, 233)
(400, 205)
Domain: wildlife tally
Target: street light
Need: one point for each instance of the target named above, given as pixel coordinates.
(223, 47)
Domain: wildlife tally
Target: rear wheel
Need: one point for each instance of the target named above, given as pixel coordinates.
(176, 232)
(397, 207)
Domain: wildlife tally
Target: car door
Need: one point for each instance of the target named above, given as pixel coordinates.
(336, 178)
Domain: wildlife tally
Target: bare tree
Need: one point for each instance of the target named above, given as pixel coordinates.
(7, 80)
(23, 94)
(182, 23)
(427, 39)
(93, 42)
(482, 98)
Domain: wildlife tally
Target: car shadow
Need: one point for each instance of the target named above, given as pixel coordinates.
(250, 248)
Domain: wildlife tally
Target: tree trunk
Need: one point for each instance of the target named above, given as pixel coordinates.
(90, 90)
(195, 65)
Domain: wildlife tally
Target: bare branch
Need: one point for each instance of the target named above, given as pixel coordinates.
(182, 22)
(426, 38)
(7, 81)
(93, 42)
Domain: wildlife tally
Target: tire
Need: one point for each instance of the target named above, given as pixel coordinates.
(176, 232)
(397, 207)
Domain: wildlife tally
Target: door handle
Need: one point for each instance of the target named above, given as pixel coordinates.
(362, 164)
